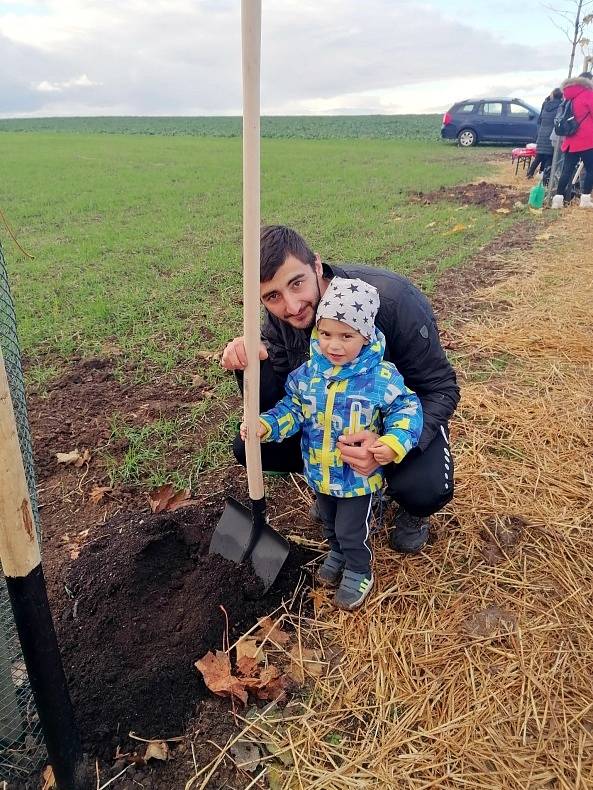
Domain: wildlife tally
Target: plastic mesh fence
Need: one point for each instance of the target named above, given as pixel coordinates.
(21, 743)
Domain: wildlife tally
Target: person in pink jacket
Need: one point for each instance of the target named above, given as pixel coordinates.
(579, 145)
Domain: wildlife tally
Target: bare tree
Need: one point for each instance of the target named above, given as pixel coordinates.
(574, 19)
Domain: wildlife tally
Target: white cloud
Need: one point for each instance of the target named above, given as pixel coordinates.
(182, 57)
(58, 87)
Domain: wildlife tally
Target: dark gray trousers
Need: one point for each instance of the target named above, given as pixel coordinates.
(346, 526)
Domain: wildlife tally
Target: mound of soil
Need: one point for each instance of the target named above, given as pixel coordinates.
(147, 601)
(492, 196)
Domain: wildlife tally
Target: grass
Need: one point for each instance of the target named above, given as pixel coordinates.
(136, 238)
(307, 127)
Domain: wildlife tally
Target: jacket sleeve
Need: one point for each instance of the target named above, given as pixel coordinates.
(286, 418)
(402, 416)
(417, 353)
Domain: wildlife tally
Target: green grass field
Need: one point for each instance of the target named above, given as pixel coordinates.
(410, 127)
(137, 244)
(137, 238)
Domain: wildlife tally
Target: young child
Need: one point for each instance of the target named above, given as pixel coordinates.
(345, 387)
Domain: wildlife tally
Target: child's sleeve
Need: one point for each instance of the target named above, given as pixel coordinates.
(286, 418)
(402, 416)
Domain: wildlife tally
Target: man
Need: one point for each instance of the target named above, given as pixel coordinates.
(293, 281)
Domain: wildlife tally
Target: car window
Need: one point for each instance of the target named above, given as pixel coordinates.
(465, 108)
(492, 108)
(518, 111)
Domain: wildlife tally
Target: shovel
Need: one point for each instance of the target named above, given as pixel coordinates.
(244, 533)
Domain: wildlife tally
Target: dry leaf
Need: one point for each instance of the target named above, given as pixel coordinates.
(431, 224)
(74, 457)
(246, 666)
(98, 492)
(543, 236)
(208, 356)
(164, 498)
(250, 649)
(157, 750)
(216, 671)
(49, 781)
(304, 660)
(198, 381)
(503, 211)
(269, 629)
(459, 228)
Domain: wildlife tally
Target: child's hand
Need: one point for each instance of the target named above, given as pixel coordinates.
(260, 433)
(382, 453)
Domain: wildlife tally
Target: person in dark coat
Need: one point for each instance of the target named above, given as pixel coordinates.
(545, 150)
(293, 280)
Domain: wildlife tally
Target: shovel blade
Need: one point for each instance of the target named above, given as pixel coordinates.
(233, 539)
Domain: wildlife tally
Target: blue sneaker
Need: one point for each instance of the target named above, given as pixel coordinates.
(331, 570)
(353, 589)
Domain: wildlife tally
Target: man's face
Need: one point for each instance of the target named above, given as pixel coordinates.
(293, 294)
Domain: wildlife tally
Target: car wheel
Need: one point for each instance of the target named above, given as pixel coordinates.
(467, 138)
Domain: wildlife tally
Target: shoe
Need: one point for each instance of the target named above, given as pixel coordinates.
(409, 534)
(353, 589)
(586, 201)
(331, 570)
(314, 513)
(558, 201)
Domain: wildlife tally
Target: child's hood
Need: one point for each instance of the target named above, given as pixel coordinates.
(370, 356)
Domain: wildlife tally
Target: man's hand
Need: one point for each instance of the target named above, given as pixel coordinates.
(234, 357)
(356, 451)
(382, 453)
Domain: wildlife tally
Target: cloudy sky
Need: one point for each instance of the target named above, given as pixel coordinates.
(182, 57)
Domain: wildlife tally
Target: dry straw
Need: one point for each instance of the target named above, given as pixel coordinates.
(472, 664)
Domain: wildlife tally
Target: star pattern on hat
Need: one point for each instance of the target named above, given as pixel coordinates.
(340, 316)
(357, 306)
(353, 288)
(352, 302)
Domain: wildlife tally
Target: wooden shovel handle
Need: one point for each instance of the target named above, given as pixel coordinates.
(251, 45)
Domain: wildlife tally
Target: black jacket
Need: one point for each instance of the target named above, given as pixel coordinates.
(406, 319)
(546, 125)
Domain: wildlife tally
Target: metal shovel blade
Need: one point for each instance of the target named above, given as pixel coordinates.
(237, 538)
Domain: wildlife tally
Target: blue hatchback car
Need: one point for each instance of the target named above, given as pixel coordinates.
(476, 121)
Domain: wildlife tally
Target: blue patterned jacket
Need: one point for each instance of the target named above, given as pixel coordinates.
(327, 400)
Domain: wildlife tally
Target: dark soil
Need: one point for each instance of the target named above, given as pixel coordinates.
(492, 196)
(147, 602)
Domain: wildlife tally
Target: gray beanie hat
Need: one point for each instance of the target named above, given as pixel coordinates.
(352, 301)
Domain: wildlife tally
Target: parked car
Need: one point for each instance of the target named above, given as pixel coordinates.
(490, 121)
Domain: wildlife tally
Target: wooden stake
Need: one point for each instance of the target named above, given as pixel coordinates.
(21, 562)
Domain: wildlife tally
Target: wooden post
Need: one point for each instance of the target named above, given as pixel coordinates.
(21, 563)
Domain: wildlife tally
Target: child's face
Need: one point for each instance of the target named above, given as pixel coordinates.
(339, 342)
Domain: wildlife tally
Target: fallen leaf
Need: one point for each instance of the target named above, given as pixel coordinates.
(489, 622)
(431, 224)
(269, 629)
(164, 498)
(503, 211)
(216, 671)
(98, 492)
(459, 228)
(74, 457)
(543, 236)
(250, 649)
(49, 781)
(208, 356)
(157, 750)
(246, 755)
(304, 660)
(246, 666)
(198, 381)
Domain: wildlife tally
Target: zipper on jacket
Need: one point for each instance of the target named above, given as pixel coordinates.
(327, 454)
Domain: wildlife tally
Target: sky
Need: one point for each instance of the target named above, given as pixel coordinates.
(319, 57)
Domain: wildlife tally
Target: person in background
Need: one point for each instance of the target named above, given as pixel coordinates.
(545, 150)
(579, 91)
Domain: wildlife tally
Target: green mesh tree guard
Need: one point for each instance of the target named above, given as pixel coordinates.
(21, 742)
